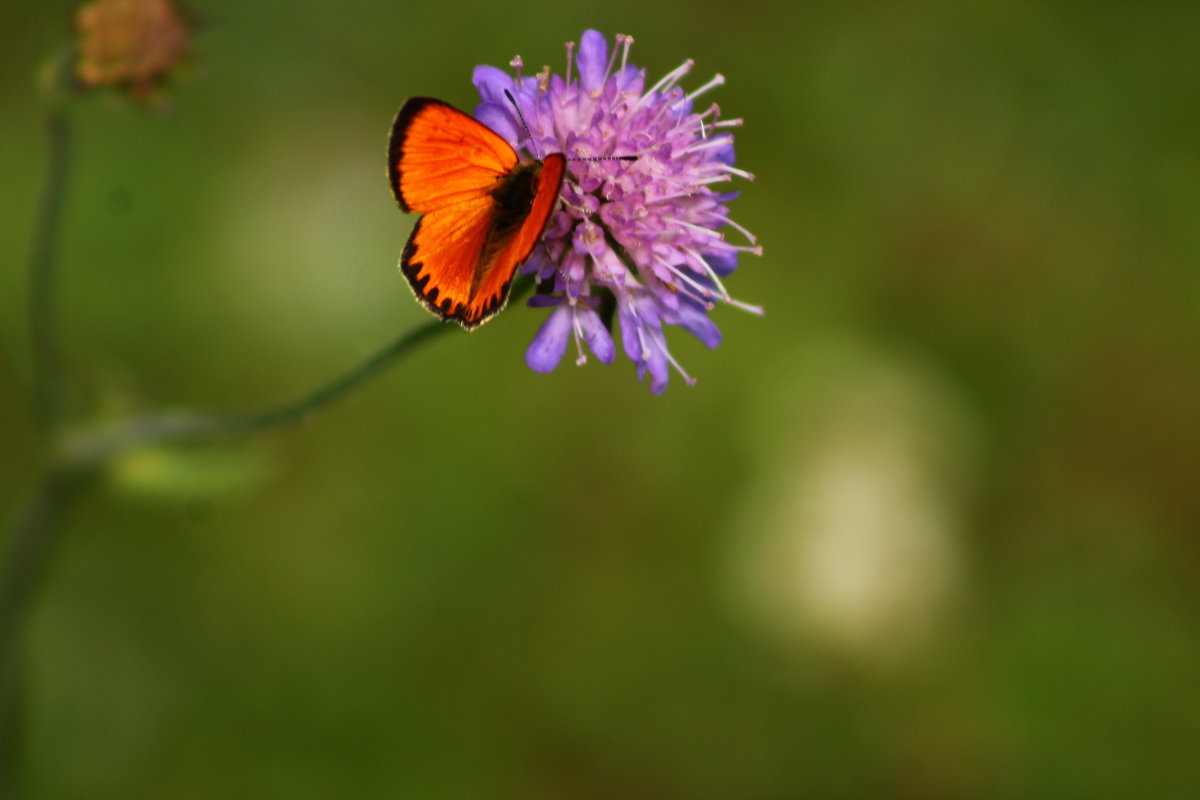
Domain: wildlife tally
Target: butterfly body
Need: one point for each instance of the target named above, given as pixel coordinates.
(483, 210)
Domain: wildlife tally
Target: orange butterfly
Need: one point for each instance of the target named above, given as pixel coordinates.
(482, 210)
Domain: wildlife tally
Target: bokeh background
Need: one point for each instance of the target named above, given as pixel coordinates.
(928, 529)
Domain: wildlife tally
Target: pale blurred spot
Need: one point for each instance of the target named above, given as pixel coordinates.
(313, 233)
(193, 476)
(850, 536)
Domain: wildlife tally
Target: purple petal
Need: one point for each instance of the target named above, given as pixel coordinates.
(550, 342)
(598, 339)
(631, 80)
(592, 60)
(574, 267)
(589, 239)
(608, 270)
(491, 83)
(630, 325)
(722, 263)
(668, 299)
(500, 120)
(657, 364)
(680, 105)
(725, 154)
(697, 323)
(536, 263)
(543, 301)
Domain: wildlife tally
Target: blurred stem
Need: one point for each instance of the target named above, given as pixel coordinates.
(47, 399)
(34, 529)
(29, 547)
(32, 535)
(96, 447)
(93, 448)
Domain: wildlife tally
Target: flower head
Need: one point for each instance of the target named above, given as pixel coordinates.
(645, 235)
(131, 45)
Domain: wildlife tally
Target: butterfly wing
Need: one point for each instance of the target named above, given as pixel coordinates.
(442, 256)
(445, 165)
(483, 212)
(511, 247)
(439, 157)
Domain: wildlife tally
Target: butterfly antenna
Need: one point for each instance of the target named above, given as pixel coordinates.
(524, 124)
(604, 158)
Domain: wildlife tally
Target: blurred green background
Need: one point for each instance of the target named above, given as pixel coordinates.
(926, 530)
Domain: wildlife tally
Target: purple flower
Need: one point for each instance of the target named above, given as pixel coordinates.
(645, 234)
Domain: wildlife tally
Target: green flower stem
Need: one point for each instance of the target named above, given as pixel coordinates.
(47, 399)
(94, 448)
(30, 544)
(32, 537)
(36, 526)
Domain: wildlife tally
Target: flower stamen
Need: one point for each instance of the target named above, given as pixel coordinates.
(700, 229)
(612, 59)
(702, 292)
(723, 295)
(741, 173)
(626, 40)
(740, 229)
(717, 80)
(706, 144)
(666, 83)
(581, 359)
(688, 379)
